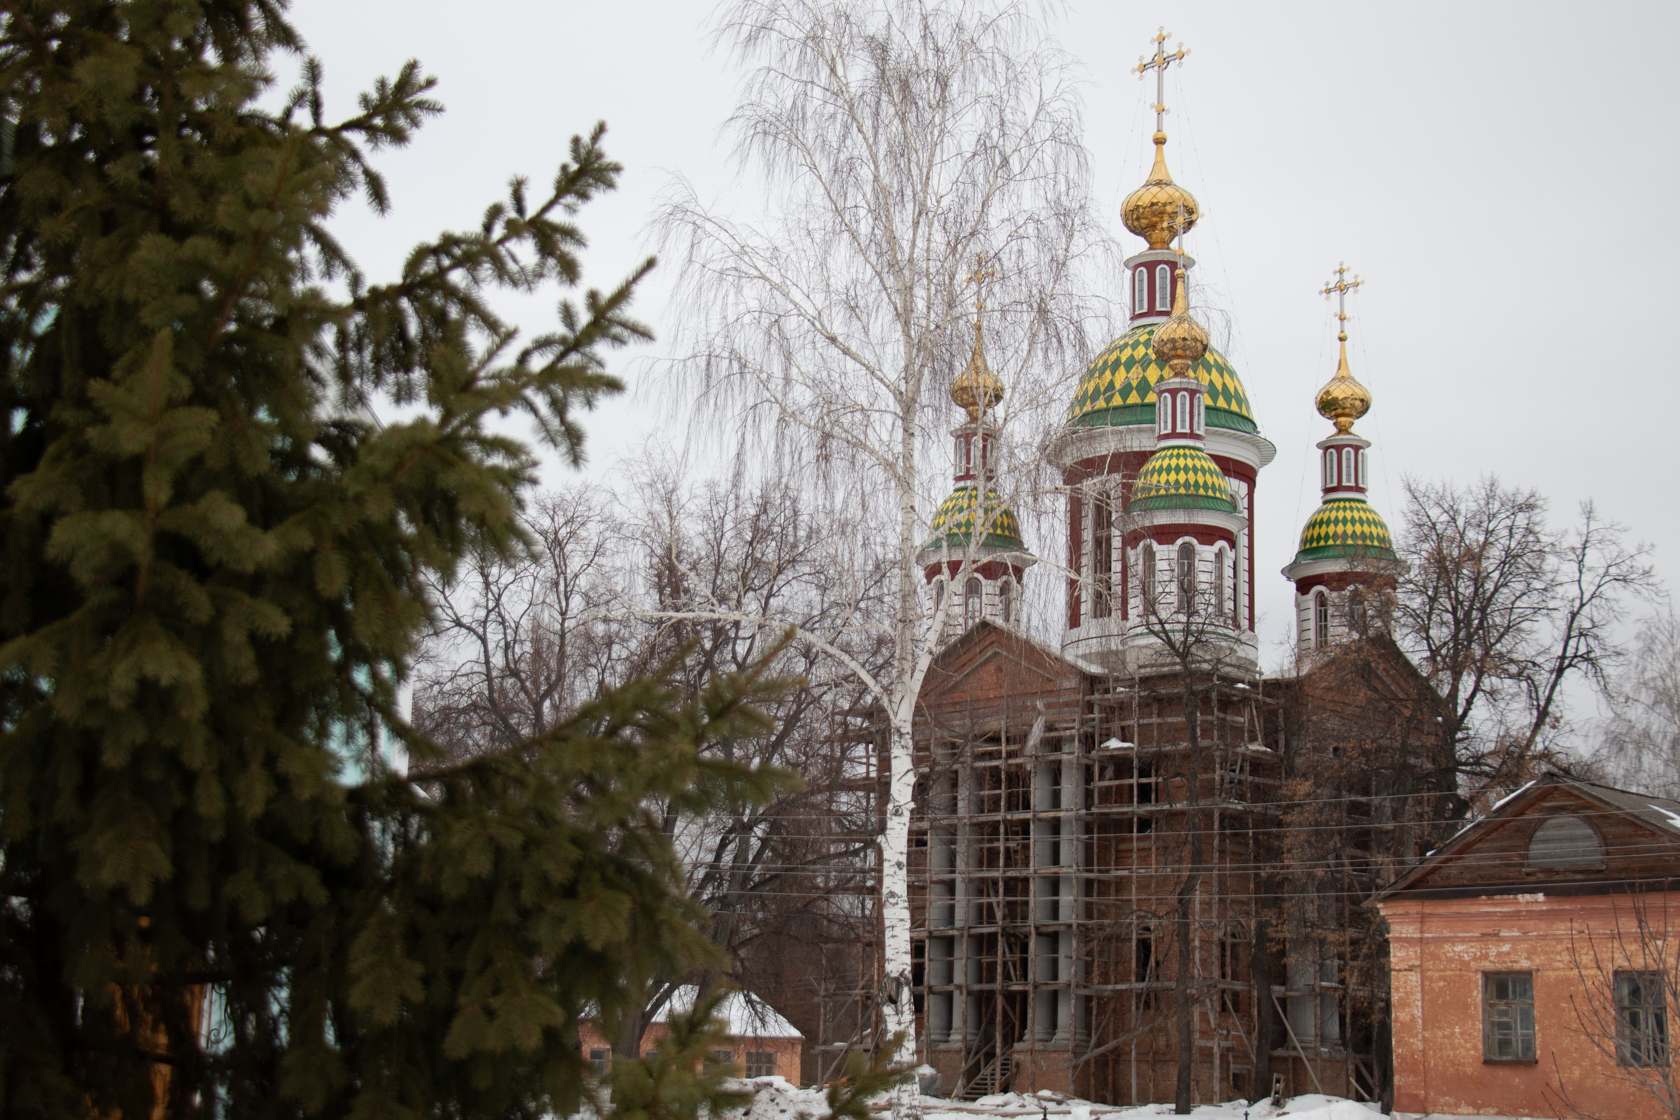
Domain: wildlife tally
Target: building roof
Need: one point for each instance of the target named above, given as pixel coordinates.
(1118, 389)
(745, 1014)
(1181, 478)
(1657, 814)
(1345, 527)
(953, 522)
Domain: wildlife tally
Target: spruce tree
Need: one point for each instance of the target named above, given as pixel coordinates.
(218, 898)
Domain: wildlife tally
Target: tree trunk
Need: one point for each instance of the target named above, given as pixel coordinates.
(1260, 976)
(1182, 1006)
(897, 1000)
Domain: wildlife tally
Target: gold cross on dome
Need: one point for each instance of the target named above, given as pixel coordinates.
(1159, 64)
(1340, 289)
(978, 278)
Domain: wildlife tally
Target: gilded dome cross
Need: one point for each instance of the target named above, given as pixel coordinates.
(977, 388)
(1340, 290)
(1342, 400)
(978, 278)
(1159, 64)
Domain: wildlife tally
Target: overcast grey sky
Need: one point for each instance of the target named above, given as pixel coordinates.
(1502, 174)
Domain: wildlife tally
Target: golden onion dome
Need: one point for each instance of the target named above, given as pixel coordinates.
(977, 388)
(1343, 400)
(1159, 210)
(1180, 342)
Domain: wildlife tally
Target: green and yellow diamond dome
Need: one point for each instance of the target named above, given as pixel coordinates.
(1119, 387)
(1345, 528)
(954, 522)
(1181, 478)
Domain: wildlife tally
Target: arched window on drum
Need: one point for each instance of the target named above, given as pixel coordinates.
(1219, 572)
(1146, 577)
(1163, 288)
(1186, 577)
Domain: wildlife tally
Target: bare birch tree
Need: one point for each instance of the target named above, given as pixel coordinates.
(897, 141)
(1641, 748)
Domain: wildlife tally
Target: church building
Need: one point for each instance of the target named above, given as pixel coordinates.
(1130, 841)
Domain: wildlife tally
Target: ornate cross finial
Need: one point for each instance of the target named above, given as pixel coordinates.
(1159, 64)
(1340, 289)
(978, 278)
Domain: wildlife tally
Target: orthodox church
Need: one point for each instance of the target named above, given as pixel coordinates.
(1133, 827)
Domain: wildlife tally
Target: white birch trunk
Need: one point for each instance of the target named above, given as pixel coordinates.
(897, 999)
(909, 138)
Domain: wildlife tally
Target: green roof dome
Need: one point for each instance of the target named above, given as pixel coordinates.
(1181, 478)
(1119, 387)
(953, 522)
(1345, 527)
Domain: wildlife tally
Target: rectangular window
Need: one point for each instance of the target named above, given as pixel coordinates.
(598, 1060)
(1508, 1017)
(761, 1063)
(1641, 1019)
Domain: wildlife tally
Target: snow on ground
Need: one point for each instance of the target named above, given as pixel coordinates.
(777, 1099)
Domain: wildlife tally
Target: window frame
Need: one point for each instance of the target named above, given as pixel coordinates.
(1186, 575)
(1628, 1034)
(1349, 477)
(1219, 604)
(758, 1059)
(1102, 557)
(974, 601)
(1321, 618)
(1163, 287)
(1183, 412)
(1330, 461)
(1146, 577)
(1140, 290)
(1515, 1007)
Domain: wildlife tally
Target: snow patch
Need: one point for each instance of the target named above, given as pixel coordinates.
(776, 1099)
(745, 1015)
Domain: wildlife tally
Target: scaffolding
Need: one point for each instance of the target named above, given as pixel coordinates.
(1049, 851)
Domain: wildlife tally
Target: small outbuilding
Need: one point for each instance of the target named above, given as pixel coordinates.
(1533, 965)
(761, 1042)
